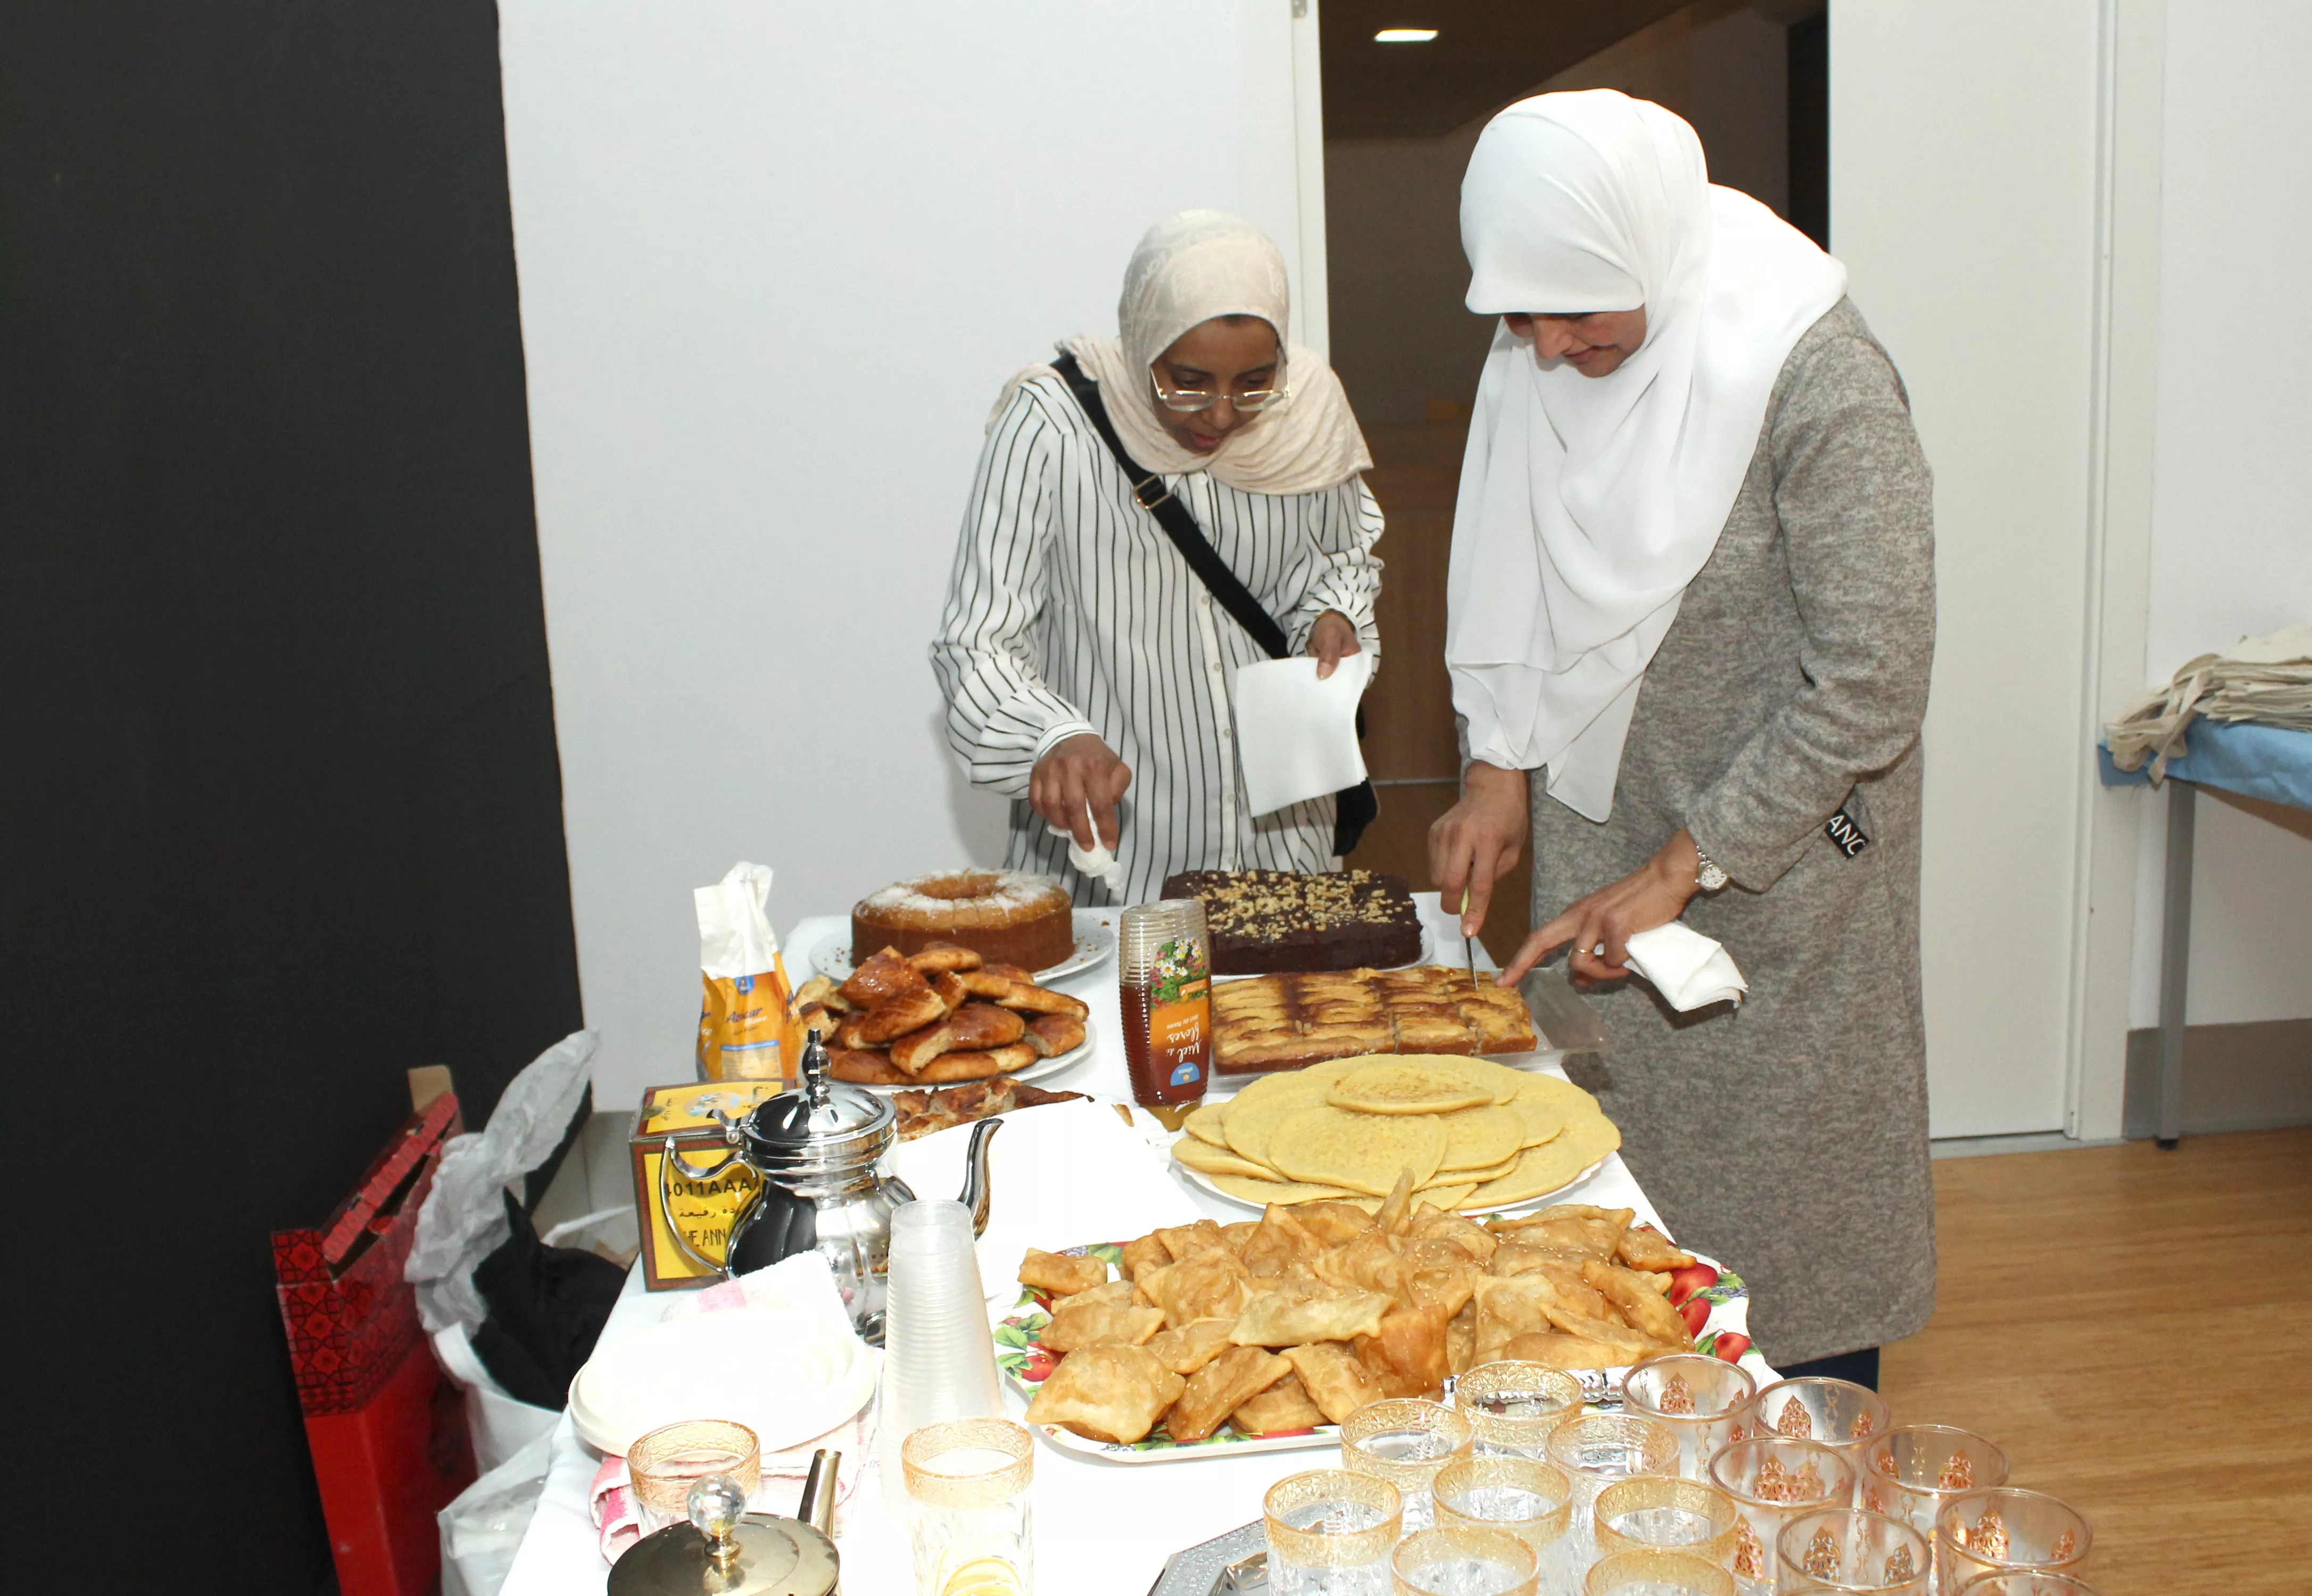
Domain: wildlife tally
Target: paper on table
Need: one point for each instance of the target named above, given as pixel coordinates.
(1685, 966)
(1059, 1175)
(1296, 736)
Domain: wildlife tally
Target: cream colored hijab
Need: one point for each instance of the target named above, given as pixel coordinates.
(1188, 269)
(1588, 504)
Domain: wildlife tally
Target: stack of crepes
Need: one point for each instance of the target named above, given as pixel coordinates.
(1471, 1133)
(1316, 1310)
(2265, 679)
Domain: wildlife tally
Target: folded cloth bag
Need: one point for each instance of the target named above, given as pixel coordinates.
(1686, 967)
(803, 1283)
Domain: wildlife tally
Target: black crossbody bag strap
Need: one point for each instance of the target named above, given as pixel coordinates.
(1354, 808)
(1179, 525)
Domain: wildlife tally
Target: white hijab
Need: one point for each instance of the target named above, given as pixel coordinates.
(1188, 269)
(1587, 503)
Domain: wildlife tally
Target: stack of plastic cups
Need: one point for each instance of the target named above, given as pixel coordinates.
(938, 1359)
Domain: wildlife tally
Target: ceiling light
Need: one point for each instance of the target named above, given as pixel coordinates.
(1405, 36)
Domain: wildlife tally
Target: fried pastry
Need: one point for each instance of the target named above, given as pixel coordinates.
(1560, 1351)
(1643, 1247)
(1212, 1285)
(1062, 1273)
(944, 956)
(1107, 1394)
(1285, 1406)
(883, 976)
(1335, 1381)
(1147, 1253)
(1096, 1324)
(1406, 1356)
(1288, 1313)
(1639, 1305)
(1115, 1291)
(1190, 1346)
(1218, 1389)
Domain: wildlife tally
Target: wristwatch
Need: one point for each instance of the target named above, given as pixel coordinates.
(1709, 875)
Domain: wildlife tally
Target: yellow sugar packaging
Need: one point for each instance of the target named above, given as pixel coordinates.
(747, 1028)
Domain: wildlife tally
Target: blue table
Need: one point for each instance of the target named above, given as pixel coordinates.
(2261, 762)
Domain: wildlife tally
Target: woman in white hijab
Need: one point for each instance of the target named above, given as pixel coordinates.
(1691, 617)
(1080, 655)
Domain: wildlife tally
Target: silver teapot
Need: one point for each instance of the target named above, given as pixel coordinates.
(822, 1152)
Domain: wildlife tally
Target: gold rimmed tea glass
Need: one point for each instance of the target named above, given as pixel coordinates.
(968, 1516)
(1598, 1448)
(1838, 1413)
(1530, 1500)
(1516, 1404)
(1980, 1532)
(1462, 1562)
(1853, 1553)
(1913, 1470)
(665, 1463)
(2027, 1582)
(1657, 1574)
(1405, 1441)
(1773, 1481)
(1330, 1533)
(1694, 1397)
(1655, 1513)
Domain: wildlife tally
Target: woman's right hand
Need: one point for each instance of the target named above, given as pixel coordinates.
(1477, 841)
(1080, 772)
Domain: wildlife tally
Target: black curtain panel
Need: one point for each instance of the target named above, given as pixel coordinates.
(281, 810)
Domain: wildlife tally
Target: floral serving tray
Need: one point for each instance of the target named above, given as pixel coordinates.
(1716, 1303)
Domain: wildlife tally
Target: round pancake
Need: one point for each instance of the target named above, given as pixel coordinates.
(1263, 1192)
(1540, 1119)
(1250, 1122)
(1335, 1146)
(1306, 1079)
(1207, 1159)
(1205, 1124)
(1481, 1137)
(1499, 1079)
(1406, 1087)
(1585, 1139)
(1472, 1177)
(1535, 1085)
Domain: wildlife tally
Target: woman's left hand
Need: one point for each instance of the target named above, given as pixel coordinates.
(1331, 638)
(1653, 894)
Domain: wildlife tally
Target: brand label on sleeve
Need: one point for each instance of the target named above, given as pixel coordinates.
(1845, 835)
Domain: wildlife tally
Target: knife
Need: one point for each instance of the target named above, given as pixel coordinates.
(1469, 952)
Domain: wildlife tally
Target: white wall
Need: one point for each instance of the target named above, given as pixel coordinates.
(2231, 533)
(1963, 200)
(776, 260)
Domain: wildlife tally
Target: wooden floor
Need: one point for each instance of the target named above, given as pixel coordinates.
(2135, 1328)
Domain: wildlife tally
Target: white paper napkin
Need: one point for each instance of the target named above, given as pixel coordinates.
(1685, 966)
(1296, 736)
(1061, 1175)
(1095, 862)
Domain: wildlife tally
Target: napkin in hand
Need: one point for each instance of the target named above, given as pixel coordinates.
(1685, 966)
(1095, 863)
(1296, 736)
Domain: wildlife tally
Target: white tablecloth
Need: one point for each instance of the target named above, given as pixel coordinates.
(1098, 1526)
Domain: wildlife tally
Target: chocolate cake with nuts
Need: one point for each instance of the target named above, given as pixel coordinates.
(1262, 921)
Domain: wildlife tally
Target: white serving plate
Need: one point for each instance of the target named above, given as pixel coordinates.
(1032, 1073)
(784, 1373)
(1203, 1183)
(1095, 930)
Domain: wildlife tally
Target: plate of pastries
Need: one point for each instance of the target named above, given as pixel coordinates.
(1265, 1023)
(941, 1014)
(1201, 1340)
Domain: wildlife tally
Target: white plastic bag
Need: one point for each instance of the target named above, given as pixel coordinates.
(464, 1220)
(482, 1529)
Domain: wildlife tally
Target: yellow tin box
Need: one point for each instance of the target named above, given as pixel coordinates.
(703, 1209)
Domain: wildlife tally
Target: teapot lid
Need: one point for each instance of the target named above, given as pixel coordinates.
(821, 1119)
(775, 1557)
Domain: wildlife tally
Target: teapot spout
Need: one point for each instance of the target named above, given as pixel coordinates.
(977, 1194)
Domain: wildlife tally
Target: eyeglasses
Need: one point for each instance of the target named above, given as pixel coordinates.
(1187, 401)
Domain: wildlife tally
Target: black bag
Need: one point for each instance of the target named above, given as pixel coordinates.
(1353, 808)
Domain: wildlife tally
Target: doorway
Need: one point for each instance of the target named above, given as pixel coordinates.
(1400, 120)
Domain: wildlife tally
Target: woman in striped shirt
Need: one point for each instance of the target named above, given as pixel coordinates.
(1088, 670)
